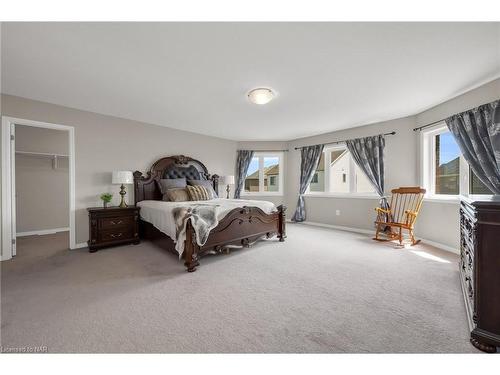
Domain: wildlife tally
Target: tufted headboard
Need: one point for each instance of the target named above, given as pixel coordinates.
(146, 186)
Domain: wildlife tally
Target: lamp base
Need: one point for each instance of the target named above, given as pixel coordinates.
(228, 189)
(122, 193)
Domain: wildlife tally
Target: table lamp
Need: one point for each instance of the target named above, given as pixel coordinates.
(122, 177)
(228, 180)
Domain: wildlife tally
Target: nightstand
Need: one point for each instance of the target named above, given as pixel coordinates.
(113, 226)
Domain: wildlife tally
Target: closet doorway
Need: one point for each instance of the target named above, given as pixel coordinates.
(37, 188)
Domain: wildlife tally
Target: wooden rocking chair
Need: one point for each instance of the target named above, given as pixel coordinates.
(402, 213)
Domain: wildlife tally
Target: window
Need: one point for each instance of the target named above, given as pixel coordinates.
(337, 173)
(315, 178)
(264, 175)
(444, 170)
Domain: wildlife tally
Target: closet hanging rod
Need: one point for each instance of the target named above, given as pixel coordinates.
(336, 142)
(41, 154)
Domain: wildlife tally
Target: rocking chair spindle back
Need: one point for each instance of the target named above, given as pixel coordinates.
(403, 211)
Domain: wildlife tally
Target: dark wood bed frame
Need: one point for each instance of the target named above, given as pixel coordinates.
(241, 226)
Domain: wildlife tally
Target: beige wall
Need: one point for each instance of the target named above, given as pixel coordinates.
(438, 221)
(105, 143)
(42, 191)
(400, 166)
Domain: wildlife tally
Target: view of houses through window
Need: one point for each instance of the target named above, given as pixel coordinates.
(263, 174)
(445, 176)
(338, 173)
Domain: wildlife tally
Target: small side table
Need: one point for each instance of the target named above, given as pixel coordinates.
(113, 226)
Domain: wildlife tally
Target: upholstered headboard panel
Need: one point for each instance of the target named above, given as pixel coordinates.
(146, 187)
(190, 173)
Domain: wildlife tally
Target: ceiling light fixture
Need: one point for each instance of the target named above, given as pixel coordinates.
(261, 95)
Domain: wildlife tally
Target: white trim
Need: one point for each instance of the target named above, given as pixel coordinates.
(262, 193)
(319, 194)
(451, 199)
(41, 232)
(338, 227)
(441, 246)
(7, 179)
(6, 192)
(80, 245)
(372, 232)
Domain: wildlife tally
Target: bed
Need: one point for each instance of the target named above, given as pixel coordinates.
(242, 222)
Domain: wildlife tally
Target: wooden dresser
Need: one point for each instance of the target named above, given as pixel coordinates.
(480, 270)
(113, 226)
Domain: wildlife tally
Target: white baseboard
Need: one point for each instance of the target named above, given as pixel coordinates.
(440, 246)
(41, 232)
(338, 227)
(80, 245)
(372, 232)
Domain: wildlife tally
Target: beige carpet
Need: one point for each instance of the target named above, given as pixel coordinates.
(321, 291)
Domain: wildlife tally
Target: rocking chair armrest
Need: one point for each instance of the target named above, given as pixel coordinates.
(378, 209)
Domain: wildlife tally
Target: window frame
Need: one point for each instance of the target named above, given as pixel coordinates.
(327, 151)
(262, 192)
(428, 167)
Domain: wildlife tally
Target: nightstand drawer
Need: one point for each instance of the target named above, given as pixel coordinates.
(115, 222)
(125, 233)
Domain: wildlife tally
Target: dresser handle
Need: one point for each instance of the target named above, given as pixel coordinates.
(116, 222)
(115, 235)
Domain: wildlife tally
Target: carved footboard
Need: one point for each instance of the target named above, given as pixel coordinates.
(241, 227)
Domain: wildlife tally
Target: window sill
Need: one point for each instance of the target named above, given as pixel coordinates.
(452, 199)
(266, 194)
(340, 195)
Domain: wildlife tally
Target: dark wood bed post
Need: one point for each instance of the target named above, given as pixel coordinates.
(191, 248)
(281, 222)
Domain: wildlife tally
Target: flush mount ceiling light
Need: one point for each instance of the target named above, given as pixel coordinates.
(261, 95)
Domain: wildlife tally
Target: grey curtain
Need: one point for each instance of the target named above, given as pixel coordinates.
(309, 162)
(478, 136)
(242, 163)
(368, 154)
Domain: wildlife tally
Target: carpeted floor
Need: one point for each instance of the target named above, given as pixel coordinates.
(321, 291)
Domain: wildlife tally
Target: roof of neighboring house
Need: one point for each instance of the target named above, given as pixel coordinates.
(336, 155)
(271, 170)
(451, 167)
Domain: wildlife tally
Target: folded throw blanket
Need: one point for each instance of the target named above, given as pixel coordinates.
(203, 218)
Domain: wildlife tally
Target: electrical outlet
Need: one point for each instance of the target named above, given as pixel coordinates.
(337, 212)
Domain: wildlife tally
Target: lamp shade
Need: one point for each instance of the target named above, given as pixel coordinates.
(122, 177)
(227, 180)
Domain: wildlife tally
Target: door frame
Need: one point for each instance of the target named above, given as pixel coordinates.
(8, 181)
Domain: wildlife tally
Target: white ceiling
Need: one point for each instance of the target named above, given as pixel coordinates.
(195, 76)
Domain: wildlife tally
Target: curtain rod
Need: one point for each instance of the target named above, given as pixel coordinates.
(443, 119)
(427, 125)
(333, 143)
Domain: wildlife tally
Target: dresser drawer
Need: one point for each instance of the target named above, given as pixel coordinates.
(115, 222)
(117, 234)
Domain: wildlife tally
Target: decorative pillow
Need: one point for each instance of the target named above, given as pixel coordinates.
(177, 195)
(170, 183)
(205, 183)
(198, 193)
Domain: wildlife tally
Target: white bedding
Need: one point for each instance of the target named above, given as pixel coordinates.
(159, 213)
